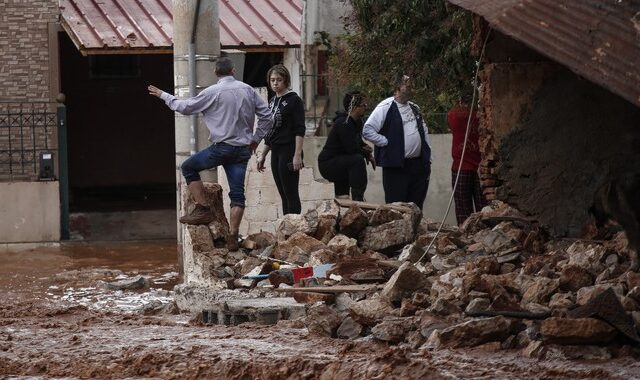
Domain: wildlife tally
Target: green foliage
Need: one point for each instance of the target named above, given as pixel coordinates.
(428, 40)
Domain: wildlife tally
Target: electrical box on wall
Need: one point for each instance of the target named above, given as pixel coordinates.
(46, 167)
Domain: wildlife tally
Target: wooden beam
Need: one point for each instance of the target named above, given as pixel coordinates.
(331, 289)
(370, 206)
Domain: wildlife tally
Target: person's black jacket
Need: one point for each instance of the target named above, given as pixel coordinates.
(345, 138)
(288, 119)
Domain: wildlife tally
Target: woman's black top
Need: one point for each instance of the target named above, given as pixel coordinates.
(345, 138)
(288, 119)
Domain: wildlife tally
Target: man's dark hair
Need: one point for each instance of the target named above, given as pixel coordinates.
(224, 66)
(352, 96)
(399, 80)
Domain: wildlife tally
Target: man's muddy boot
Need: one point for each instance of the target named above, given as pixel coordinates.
(232, 244)
(199, 215)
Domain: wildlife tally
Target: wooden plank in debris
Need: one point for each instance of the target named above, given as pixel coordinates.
(519, 222)
(331, 289)
(370, 206)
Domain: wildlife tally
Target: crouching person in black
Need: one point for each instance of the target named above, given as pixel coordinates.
(342, 159)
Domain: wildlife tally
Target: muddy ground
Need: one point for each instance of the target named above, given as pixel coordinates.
(59, 320)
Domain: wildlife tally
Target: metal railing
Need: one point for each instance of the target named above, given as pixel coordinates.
(28, 130)
(326, 99)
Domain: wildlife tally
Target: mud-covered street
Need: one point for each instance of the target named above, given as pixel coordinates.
(59, 320)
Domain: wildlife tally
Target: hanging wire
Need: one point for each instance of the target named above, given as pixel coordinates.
(464, 146)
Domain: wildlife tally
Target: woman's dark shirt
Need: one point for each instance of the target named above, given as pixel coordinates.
(288, 119)
(345, 138)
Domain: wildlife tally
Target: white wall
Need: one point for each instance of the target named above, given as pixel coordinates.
(29, 212)
(323, 15)
(291, 61)
(263, 201)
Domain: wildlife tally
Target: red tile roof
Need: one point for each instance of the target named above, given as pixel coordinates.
(146, 26)
(260, 22)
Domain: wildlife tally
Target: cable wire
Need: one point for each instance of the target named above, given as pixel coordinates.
(464, 146)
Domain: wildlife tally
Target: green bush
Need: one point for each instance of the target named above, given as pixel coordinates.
(428, 40)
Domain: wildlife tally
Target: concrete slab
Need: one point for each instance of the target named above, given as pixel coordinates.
(195, 298)
(232, 307)
(265, 311)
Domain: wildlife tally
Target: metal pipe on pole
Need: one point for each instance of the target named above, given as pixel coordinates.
(193, 77)
(196, 47)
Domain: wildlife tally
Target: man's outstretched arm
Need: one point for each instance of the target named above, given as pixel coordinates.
(189, 106)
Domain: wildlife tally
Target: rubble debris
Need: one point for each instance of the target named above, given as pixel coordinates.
(393, 330)
(404, 282)
(322, 320)
(473, 333)
(332, 289)
(350, 329)
(267, 311)
(343, 246)
(313, 297)
(364, 269)
(576, 331)
(132, 283)
(290, 224)
(328, 215)
(353, 221)
(539, 350)
(297, 242)
(499, 280)
(411, 253)
(370, 312)
(607, 307)
(281, 276)
(573, 278)
(219, 227)
(388, 237)
(258, 240)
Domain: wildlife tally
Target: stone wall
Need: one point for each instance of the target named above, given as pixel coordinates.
(27, 128)
(263, 201)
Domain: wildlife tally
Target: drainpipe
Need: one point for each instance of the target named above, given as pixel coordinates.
(306, 94)
(196, 47)
(193, 127)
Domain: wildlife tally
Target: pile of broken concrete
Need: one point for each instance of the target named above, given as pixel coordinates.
(498, 280)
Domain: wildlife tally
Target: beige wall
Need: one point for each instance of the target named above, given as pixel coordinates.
(29, 212)
(263, 201)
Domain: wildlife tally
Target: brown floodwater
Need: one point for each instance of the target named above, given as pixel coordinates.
(58, 320)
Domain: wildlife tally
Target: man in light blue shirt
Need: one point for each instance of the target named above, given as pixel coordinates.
(229, 108)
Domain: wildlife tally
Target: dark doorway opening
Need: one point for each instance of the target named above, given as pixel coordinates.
(256, 66)
(120, 144)
(121, 141)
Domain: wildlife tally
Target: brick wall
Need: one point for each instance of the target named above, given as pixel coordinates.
(24, 48)
(26, 128)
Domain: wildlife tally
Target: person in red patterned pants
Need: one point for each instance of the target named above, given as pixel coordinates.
(468, 194)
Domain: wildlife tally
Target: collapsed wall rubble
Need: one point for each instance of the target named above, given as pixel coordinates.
(498, 280)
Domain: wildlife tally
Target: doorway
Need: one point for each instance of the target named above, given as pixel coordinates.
(121, 145)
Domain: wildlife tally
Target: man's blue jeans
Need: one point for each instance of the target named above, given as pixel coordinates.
(232, 158)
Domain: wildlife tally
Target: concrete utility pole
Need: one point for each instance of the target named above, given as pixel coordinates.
(196, 47)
